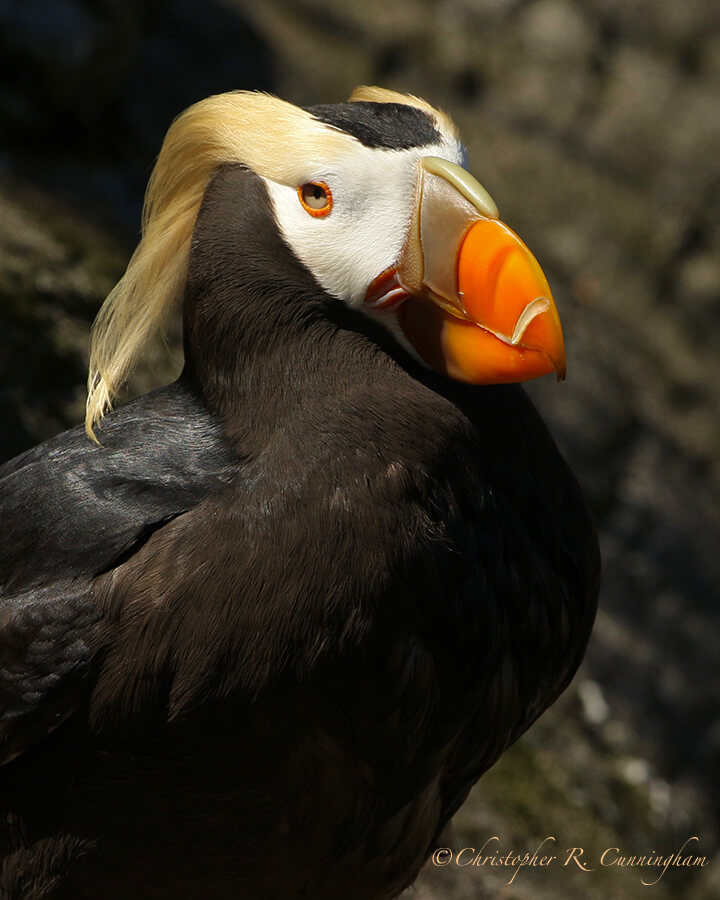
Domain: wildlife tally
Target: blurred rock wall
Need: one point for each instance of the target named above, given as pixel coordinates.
(596, 127)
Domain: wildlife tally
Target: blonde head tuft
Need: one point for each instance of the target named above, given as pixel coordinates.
(263, 132)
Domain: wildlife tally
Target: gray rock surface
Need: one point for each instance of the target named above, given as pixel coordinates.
(596, 127)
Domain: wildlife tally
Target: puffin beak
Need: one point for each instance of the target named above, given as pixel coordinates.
(475, 303)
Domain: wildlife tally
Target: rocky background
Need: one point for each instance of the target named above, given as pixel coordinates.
(596, 127)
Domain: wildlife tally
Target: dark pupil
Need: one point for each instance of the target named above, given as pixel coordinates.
(318, 192)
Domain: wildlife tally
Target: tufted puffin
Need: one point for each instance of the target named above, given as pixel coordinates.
(262, 629)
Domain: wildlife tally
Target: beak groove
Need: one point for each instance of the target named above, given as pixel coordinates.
(534, 308)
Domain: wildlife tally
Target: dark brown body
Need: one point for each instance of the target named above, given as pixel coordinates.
(371, 583)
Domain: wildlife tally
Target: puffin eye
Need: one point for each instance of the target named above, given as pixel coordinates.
(316, 198)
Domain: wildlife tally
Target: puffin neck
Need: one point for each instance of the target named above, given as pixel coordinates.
(261, 335)
(255, 370)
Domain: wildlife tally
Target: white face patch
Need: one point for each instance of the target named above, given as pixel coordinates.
(373, 195)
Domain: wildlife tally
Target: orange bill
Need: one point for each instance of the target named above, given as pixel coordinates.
(506, 327)
(468, 294)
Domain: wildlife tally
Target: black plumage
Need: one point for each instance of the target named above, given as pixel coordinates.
(392, 126)
(262, 640)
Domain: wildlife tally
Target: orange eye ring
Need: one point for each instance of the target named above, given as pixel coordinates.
(316, 198)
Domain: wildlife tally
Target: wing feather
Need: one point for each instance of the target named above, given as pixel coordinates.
(70, 510)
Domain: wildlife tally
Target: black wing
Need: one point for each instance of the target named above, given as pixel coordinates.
(69, 510)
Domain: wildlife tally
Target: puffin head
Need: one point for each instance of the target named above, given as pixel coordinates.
(372, 196)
